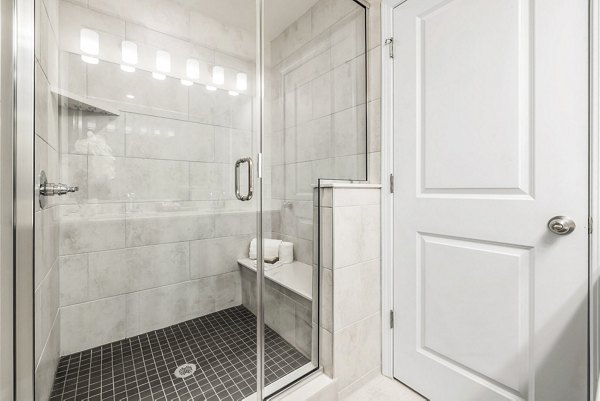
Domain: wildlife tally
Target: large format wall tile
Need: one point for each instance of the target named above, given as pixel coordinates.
(228, 224)
(228, 38)
(46, 106)
(121, 179)
(160, 138)
(74, 279)
(135, 269)
(46, 366)
(211, 181)
(348, 38)
(74, 172)
(359, 301)
(89, 228)
(166, 97)
(350, 131)
(46, 304)
(161, 15)
(159, 228)
(357, 350)
(217, 256)
(232, 144)
(46, 244)
(349, 81)
(90, 324)
(164, 306)
(356, 231)
(325, 13)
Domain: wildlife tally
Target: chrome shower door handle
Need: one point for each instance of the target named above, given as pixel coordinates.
(238, 163)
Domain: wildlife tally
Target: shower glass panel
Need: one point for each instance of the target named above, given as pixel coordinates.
(143, 111)
(315, 129)
(164, 141)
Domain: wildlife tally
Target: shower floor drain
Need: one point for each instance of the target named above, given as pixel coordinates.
(185, 370)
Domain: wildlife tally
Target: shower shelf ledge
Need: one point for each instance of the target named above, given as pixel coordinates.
(81, 103)
(295, 276)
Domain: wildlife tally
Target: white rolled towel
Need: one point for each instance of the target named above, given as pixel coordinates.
(286, 252)
(271, 249)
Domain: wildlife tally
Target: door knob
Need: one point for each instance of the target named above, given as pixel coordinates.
(561, 225)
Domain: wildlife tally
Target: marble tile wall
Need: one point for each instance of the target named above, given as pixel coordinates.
(350, 283)
(319, 110)
(152, 237)
(46, 221)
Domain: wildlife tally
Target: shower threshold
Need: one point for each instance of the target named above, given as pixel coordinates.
(221, 346)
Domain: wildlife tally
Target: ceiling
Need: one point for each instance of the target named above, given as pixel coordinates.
(279, 14)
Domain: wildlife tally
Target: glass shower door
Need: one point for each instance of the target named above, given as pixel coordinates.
(148, 116)
(166, 172)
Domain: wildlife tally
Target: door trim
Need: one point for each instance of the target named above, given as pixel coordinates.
(387, 212)
(387, 198)
(6, 206)
(594, 201)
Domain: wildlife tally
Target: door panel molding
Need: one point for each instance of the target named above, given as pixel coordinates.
(387, 168)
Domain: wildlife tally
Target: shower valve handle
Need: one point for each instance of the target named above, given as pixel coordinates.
(51, 189)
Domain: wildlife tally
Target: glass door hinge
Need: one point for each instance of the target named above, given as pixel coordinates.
(391, 183)
(259, 165)
(391, 319)
(390, 43)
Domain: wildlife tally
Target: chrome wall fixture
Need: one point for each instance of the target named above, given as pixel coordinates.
(51, 189)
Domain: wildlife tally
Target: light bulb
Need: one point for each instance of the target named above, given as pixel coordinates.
(210, 88)
(186, 82)
(241, 81)
(218, 75)
(159, 76)
(163, 61)
(233, 93)
(192, 68)
(89, 42)
(129, 53)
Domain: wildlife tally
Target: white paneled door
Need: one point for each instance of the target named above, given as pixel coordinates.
(490, 143)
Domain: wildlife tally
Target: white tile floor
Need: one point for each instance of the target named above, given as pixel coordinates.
(381, 388)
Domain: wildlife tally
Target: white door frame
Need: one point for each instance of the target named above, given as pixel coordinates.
(387, 168)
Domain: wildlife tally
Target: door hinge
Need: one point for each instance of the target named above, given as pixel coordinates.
(259, 168)
(590, 225)
(391, 319)
(391, 183)
(390, 43)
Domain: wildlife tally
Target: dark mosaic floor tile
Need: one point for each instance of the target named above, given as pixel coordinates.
(222, 345)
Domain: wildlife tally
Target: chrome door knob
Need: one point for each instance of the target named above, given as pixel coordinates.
(561, 225)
